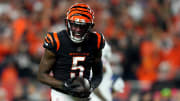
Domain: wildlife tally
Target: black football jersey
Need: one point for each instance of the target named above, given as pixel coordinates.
(73, 59)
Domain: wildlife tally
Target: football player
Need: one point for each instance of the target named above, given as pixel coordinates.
(71, 54)
(108, 86)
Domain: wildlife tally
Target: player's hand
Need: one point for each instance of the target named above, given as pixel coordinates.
(79, 87)
(85, 89)
(69, 85)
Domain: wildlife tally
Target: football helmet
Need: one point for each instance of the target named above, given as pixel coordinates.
(79, 20)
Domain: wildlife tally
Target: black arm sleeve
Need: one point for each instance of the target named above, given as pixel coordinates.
(97, 70)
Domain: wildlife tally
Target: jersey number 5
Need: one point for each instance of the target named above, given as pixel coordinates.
(75, 66)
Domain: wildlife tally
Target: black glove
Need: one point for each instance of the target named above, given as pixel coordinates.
(88, 89)
(69, 85)
(79, 87)
(84, 94)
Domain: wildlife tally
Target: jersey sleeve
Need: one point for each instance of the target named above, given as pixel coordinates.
(100, 41)
(51, 42)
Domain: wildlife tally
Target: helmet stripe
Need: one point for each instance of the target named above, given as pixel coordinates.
(81, 7)
(79, 14)
(86, 13)
(80, 10)
(73, 18)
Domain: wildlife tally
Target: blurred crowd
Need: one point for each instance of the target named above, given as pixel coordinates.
(144, 36)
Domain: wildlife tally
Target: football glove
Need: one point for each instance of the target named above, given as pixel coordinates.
(69, 85)
(79, 87)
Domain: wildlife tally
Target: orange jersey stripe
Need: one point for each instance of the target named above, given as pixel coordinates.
(51, 39)
(57, 40)
(99, 40)
(47, 40)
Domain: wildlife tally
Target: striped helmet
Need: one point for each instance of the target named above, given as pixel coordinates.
(79, 20)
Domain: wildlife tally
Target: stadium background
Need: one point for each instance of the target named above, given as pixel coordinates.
(144, 35)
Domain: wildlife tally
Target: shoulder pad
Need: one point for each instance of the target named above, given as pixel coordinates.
(51, 41)
(100, 40)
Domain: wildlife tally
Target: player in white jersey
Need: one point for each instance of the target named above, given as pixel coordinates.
(104, 91)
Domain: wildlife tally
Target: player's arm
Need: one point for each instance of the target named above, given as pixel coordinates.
(97, 70)
(99, 94)
(97, 90)
(46, 64)
(97, 67)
